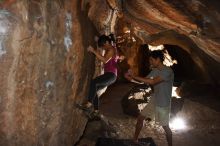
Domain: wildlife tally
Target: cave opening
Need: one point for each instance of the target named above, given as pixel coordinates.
(185, 69)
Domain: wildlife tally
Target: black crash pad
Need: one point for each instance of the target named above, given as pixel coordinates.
(125, 142)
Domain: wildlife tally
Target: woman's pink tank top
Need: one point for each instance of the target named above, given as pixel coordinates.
(111, 65)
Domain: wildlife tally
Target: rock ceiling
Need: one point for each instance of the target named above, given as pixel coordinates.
(155, 21)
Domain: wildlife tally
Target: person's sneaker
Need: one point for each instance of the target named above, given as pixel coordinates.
(95, 115)
(84, 107)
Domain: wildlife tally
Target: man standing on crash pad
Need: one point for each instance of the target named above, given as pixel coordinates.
(161, 78)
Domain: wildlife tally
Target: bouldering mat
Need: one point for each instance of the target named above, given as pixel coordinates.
(125, 142)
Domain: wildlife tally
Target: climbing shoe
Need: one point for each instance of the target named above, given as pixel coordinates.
(84, 107)
(95, 115)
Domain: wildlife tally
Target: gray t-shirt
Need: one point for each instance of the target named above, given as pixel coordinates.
(163, 90)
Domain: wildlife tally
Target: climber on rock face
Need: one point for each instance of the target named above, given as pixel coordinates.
(109, 59)
(161, 78)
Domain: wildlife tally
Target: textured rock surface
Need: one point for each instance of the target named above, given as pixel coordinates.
(45, 69)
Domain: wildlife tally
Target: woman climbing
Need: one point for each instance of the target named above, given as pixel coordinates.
(110, 73)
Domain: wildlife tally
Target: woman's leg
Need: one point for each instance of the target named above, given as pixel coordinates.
(98, 83)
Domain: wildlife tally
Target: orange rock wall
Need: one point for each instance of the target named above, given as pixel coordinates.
(45, 70)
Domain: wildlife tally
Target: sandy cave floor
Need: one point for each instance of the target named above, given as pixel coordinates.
(202, 122)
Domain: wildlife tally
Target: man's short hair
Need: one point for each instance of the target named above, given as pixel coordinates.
(157, 54)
